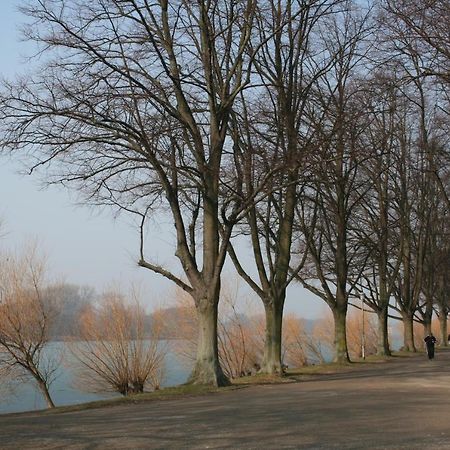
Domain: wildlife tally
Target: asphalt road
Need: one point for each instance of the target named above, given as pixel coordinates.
(400, 404)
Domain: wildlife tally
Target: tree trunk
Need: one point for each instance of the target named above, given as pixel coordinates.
(383, 333)
(443, 330)
(207, 369)
(428, 316)
(382, 313)
(44, 390)
(408, 333)
(272, 346)
(426, 326)
(340, 335)
(341, 265)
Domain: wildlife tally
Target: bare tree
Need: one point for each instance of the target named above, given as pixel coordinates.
(275, 124)
(417, 37)
(326, 207)
(240, 331)
(241, 337)
(413, 214)
(416, 189)
(378, 230)
(303, 346)
(132, 104)
(426, 22)
(322, 338)
(181, 326)
(442, 302)
(26, 319)
(114, 351)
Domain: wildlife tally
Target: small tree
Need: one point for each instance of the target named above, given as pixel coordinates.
(241, 334)
(116, 353)
(304, 345)
(26, 319)
(295, 342)
(323, 337)
(181, 326)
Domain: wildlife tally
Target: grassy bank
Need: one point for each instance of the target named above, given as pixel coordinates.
(293, 375)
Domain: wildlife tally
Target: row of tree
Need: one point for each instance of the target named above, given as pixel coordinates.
(108, 343)
(314, 130)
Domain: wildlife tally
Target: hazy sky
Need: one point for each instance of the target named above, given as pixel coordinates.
(85, 246)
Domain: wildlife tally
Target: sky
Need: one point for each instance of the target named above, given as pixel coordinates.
(85, 246)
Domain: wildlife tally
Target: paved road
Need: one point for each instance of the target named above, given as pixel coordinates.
(400, 404)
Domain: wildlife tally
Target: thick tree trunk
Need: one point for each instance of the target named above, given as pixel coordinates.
(443, 330)
(383, 333)
(44, 390)
(341, 263)
(408, 333)
(382, 313)
(428, 316)
(340, 336)
(272, 346)
(207, 369)
(426, 327)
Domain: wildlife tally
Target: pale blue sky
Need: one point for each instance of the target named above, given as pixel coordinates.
(85, 246)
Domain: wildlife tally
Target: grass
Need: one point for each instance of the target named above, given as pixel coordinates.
(309, 372)
(189, 390)
(175, 392)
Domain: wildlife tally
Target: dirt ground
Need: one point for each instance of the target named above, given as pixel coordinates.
(400, 404)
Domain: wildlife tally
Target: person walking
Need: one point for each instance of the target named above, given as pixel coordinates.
(430, 340)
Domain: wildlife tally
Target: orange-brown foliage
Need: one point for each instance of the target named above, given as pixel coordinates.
(240, 332)
(26, 318)
(355, 330)
(116, 352)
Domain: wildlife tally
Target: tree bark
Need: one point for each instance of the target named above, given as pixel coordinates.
(44, 390)
(207, 369)
(427, 318)
(408, 333)
(271, 363)
(382, 313)
(383, 333)
(427, 326)
(443, 329)
(340, 335)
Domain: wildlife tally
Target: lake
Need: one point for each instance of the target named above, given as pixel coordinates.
(63, 391)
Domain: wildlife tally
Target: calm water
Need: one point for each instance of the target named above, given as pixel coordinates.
(63, 391)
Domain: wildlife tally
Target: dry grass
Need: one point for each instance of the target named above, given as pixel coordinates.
(190, 390)
(176, 392)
